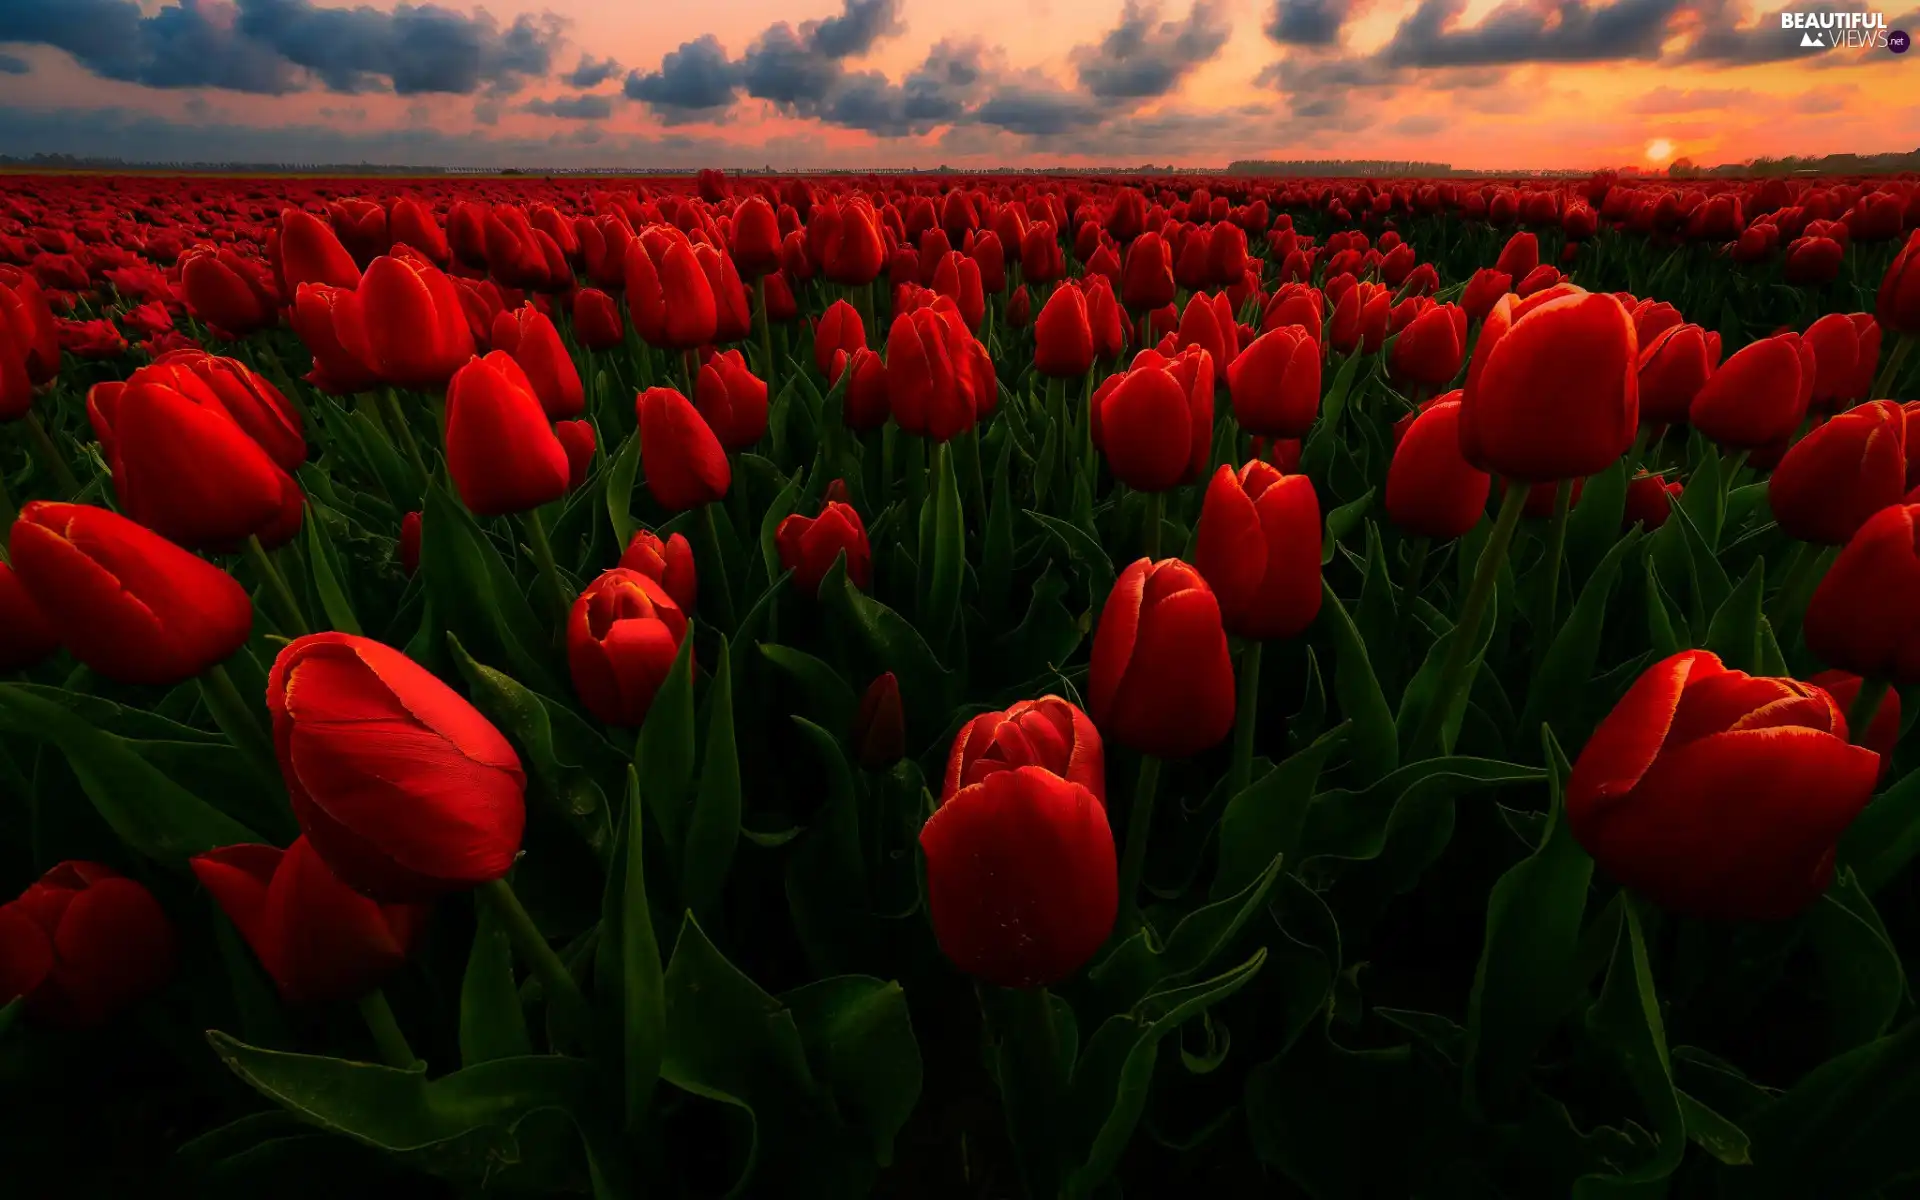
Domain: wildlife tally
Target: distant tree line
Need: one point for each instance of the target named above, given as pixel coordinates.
(1348, 168)
(1892, 163)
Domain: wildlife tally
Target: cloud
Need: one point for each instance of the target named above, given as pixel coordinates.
(855, 30)
(1309, 22)
(1564, 32)
(1144, 57)
(272, 47)
(591, 73)
(589, 107)
(1039, 109)
(1418, 125)
(9, 65)
(694, 82)
(1663, 100)
(1724, 40)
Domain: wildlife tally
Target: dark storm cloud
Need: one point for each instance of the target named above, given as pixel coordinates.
(1144, 57)
(782, 68)
(591, 73)
(855, 30)
(1039, 111)
(693, 82)
(9, 65)
(1308, 22)
(278, 46)
(1571, 31)
(572, 108)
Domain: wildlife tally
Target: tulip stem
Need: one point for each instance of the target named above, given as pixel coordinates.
(405, 434)
(766, 334)
(550, 581)
(1454, 673)
(1550, 598)
(690, 363)
(277, 584)
(62, 473)
(1883, 386)
(1865, 706)
(537, 953)
(1031, 1083)
(716, 570)
(1796, 587)
(236, 719)
(1639, 450)
(1243, 716)
(1134, 856)
(1156, 509)
(8, 512)
(387, 1037)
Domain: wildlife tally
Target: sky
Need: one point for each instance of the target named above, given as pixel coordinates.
(873, 84)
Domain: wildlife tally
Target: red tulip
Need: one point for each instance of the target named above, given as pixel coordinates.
(1259, 549)
(809, 545)
(413, 225)
(409, 545)
(1759, 395)
(1832, 480)
(668, 563)
(253, 403)
(732, 318)
(1275, 383)
(1022, 884)
(939, 378)
(684, 462)
(1846, 352)
(1484, 291)
(868, 402)
(622, 636)
(501, 449)
(317, 938)
(304, 249)
(81, 945)
(1673, 367)
(1865, 615)
(1519, 256)
(756, 238)
(329, 320)
(1898, 304)
(1432, 490)
(850, 250)
(529, 336)
(416, 329)
(668, 293)
(839, 330)
(1062, 337)
(26, 637)
(123, 600)
(1428, 352)
(233, 296)
(880, 725)
(1883, 732)
(1049, 732)
(1719, 794)
(1161, 682)
(1207, 322)
(1649, 501)
(577, 439)
(1154, 421)
(597, 321)
(1147, 278)
(733, 400)
(403, 788)
(1360, 317)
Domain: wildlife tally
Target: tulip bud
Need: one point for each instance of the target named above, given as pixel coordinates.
(668, 293)
(597, 321)
(1022, 882)
(1259, 549)
(501, 451)
(1484, 291)
(839, 329)
(1062, 336)
(1161, 682)
(122, 599)
(26, 638)
(940, 381)
(1898, 304)
(1146, 280)
(1865, 615)
(623, 634)
(576, 438)
(1649, 501)
(1275, 383)
(1428, 352)
(809, 545)
(304, 249)
(409, 550)
(1432, 490)
(1846, 352)
(26, 318)
(1718, 794)
(82, 945)
(684, 463)
(1759, 395)
(1829, 482)
(528, 335)
(231, 295)
(401, 786)
(1674, 365)
(1049, 732)
(880, 726)
(1883, 732)
(329, 320)
(1154, 421)
(668, 563)
(317, 938)
(253, 403)
(733, 400)
(756, 237)
(416, 329)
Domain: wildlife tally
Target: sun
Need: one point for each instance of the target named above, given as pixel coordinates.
(1659, 150)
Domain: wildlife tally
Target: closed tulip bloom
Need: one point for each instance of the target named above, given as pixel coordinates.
(839, 329)
(1829, 482)
(1062, 336)
(26, 317)
(671, 301)
(1846, 351)
(668, 563)
(306, 250)
(181, 466)
(528, 335)
(403, 788)
(939, 378)
(317, 938)
(413, 224)
(82, 945)
(1898, 304)
(1649, 501)
(1259, 549)
(1883, 732)
(408, 548)
(1428, 352)
(1865, 615)
(880, 725)
(1154, 421)
(1275, 383)
(1146, 279)
(1759, 395)
(501, 449)
(233, 296)
(1718, 794)
(622, 636)
(957, 277)
(26, 637)
(1651, 318)
(597, 321)
(417, 332)
(1813, 260)
(781, 306)
(733, 400)
(1484, 291)
(1207, 322)
(1553, 390)
(732, 318)
(577, 439)
(122, 599)
(1432, 490)
(684, 462)
(867, 403)
(851, 250)
(1161, 682)
(809, 545)
(1022, 881)
(1673, 367)
(251, 401)
(329, 320)
(1104, 318)
(1519, 256)
(756, 238)
(1360, 318)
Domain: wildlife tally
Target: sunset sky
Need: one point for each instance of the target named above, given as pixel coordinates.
(918, 83)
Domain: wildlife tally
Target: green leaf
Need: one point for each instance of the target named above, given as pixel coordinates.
(782, 507)
(1865, 983)
(826, 696)
(492, 1024)
(1525, 982)
(1352, 825)
(1268, 818)
(1569, 665)
(859, 1040)
(1593, 525)
(1426, 681)
(1666, 641)
(553, 740)
(891, 643)
(1085, 551)
(476, 595)
(948, 561)
(1342, 521)
(996, 561)
(1713, 1133)
(714, 829)
(151, 813)
(1139, 966)
(665, 749)
(629, 986)
(1375, 742)
(325, 567)
(626, 464)
(1734, 632)
(1846, 1129)
(1626, 1021)
(1885, 837)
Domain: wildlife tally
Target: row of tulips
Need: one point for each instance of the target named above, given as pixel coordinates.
(763, 679)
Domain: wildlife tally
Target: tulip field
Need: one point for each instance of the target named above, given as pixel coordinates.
(959, 686)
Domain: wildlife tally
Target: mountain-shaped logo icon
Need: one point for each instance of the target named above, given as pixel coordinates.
(1812, 41)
